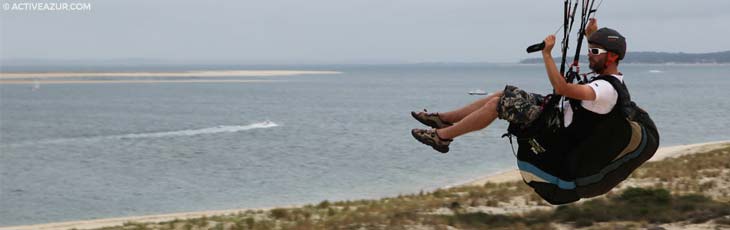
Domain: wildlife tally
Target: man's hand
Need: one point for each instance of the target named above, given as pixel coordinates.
(549, 43)
(591, 27)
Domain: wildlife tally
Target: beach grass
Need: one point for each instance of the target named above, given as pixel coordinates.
(686, 190)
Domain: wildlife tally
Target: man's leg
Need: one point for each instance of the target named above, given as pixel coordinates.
(459, 114)
(476, 120)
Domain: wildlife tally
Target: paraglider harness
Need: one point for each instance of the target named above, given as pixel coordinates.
(598, 151)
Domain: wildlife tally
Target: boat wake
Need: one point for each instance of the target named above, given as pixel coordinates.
(178, 133)
(193, 132)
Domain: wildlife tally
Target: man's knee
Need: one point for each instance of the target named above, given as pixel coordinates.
(498, 93)
(492, 96)
(492, 103)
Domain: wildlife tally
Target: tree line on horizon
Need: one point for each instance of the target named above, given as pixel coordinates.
(660, 58)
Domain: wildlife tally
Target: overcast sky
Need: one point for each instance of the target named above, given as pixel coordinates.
(344, 31)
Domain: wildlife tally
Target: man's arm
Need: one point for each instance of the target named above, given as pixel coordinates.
(575, 91)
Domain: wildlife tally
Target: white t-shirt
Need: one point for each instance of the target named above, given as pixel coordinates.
(606, 97)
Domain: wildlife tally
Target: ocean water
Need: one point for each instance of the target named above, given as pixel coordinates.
(85, 151)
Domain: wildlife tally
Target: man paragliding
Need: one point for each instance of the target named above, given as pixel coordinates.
(580, 141)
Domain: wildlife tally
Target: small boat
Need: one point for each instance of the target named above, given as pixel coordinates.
(477, 92)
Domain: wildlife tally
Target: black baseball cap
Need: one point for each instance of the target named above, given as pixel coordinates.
(610, 40)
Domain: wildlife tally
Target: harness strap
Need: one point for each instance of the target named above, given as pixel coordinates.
(509, 135)
(626, 106)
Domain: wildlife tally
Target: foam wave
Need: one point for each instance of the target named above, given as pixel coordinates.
(194, 132)
(179, 133)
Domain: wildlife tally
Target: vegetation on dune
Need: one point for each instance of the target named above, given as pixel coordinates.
(510, 205)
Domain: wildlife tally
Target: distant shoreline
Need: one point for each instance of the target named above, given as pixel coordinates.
(645, 64)
(149, 77)
(722, 57)
(213, 73)
(504, 176)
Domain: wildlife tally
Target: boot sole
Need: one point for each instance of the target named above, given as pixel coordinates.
(441, 149)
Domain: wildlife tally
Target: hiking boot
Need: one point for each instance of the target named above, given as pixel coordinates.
(431, 119)
(429, 137)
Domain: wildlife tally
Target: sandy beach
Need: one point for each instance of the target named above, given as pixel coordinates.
(505, 176)
(42, 82)
(221, 73)
(139, 77)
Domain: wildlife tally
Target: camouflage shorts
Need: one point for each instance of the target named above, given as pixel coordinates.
(518, 106)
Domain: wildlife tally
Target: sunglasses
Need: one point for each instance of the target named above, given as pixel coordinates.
(596, 51)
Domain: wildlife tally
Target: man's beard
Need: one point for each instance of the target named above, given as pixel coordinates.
(598, 67)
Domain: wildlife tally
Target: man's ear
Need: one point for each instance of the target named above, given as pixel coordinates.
(612, 57)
